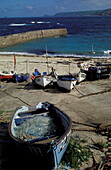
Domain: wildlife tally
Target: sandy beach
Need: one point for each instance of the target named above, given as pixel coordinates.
(89, 103)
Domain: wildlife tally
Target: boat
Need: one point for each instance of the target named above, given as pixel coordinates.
(43, 130)
(43, 80)
(98, 71)
(81, 76)
(107, 52)
(21, 77)
(5, 75)
(67, 82)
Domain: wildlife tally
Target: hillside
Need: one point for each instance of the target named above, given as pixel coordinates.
(106, 12)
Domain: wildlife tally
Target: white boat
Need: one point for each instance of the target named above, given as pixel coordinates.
(81, 76)
(67, 82)
(107, 52)
(4, 75)
(43, 80)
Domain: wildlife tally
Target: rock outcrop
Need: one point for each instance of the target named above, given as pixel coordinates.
(27, 36)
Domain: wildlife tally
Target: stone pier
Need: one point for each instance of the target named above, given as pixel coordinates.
(27, 36)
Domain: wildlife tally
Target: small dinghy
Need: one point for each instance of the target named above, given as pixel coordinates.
(43, 80)
(21, 77)
(4, 75)
(43, 130)
(81, 76)
(67, 82)
(107, 52)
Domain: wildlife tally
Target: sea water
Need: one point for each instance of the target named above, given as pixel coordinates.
(85, 34)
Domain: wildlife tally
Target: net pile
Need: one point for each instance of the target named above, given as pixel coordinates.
(36, 127)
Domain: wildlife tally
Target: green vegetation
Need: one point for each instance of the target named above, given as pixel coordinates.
(5, 115)
(101, 145)
(76, 154)
(1, 112)
(106, 12)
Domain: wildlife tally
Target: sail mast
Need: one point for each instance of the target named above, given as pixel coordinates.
(93, 52)
(47, 60)
(14, 63)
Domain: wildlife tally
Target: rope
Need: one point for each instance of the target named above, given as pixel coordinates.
(91, 94)
(84, 124)
(78, 91)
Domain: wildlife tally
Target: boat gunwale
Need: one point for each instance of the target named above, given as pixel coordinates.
(38, 76)
(69, 77)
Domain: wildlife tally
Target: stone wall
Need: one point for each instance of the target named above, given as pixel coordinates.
(27, 36)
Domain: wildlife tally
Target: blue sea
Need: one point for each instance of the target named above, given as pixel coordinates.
(84, 35)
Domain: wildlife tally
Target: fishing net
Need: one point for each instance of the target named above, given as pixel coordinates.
(36, 127)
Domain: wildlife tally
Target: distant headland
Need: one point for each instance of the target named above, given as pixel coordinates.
(106, 12)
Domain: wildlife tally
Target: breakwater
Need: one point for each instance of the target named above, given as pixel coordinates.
(27, 36)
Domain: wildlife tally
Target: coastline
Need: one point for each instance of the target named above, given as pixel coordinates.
(58, 55)
(60, 64)
(36, 61)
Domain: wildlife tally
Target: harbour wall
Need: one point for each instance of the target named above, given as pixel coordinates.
(27, 36)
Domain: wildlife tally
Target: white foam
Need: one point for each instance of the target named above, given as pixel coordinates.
(56, 55)
(33, 22)
(17, 53)
(78, 56)
(41, 22)
(13, 25)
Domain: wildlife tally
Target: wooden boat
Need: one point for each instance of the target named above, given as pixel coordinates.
(43, 80)
(81, 76)
(66, 81)
(21, 77)
(43, 130)
(4, 75)
(98, 71)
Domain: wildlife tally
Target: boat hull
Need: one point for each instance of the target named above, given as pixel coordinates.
(21, 77)
(81, 77)
(43, 81)
(5, 76)
(68, 85)
(53, 145)
(67, 82)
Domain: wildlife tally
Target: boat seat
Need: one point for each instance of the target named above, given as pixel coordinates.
(47, 140)
(44, 73)
(31, 114)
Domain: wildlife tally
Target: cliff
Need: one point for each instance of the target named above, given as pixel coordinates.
(106, 12)
(27, 36)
